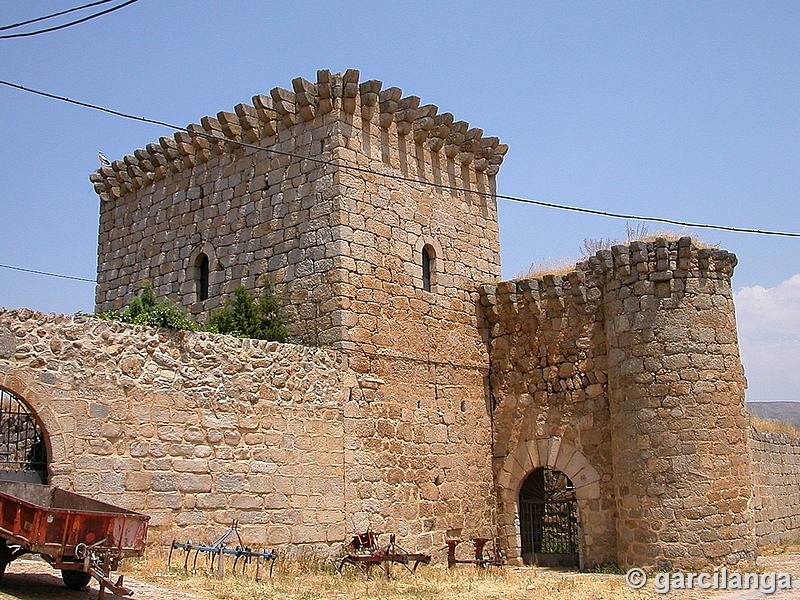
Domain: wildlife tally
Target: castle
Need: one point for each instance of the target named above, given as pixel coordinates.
(590, 418)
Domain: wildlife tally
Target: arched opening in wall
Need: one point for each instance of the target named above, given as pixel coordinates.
(202, 270)
(428, 273)
(23, 452)
(548, 519)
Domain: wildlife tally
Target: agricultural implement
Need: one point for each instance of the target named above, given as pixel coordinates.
(217, 551)
(366, 554)
(482, 556)
(83, 537)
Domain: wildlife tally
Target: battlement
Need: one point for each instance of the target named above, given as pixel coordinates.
(661, 262)
(283, 110)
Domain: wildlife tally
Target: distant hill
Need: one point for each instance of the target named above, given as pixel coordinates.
(785, 412)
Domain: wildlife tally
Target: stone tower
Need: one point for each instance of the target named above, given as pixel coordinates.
(676, 399)
(375, 217)
(624, 375)
(294, 188)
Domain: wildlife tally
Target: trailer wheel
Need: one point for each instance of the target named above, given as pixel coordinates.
(75, 580)
(5, 556)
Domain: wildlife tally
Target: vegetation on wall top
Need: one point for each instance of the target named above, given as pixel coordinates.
(241, 315)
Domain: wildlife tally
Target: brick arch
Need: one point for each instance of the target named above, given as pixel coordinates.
(39, 405)
(529, 455)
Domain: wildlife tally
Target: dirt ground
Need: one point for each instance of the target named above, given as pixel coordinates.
(33, 579)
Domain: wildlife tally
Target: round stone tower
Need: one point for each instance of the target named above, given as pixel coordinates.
(676, 399)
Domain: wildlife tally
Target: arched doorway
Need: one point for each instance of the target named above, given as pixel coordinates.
(23, 452)
(548, 518)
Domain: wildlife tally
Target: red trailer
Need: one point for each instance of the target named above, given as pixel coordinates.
(83, 537)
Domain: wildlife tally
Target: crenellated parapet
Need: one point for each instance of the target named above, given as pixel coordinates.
(663, 261)
(262, 122)
(631, 358)
(540, 298)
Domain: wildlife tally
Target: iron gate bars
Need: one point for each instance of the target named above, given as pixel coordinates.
(548, 514)
(217, 551)
(22, 446)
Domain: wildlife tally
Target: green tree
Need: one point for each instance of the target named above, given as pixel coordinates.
(146, 309)
(245, 316)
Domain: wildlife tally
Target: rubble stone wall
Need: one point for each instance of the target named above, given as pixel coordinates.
(775, 462)
(548, 385)
(197, 430)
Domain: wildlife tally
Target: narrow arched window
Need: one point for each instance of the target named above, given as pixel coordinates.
(427, 261)
(202, 277)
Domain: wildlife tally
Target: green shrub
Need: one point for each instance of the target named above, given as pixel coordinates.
(247, 317)
(146, 309)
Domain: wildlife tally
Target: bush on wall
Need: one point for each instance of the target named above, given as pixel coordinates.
(241, 315)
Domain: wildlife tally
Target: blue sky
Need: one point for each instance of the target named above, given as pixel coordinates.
(682, 110)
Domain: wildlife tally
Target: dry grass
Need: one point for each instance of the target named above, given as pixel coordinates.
(590, 246)
(308, 580)
(548, 266)
(771, 426)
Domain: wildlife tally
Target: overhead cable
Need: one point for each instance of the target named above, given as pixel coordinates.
(53, 15)
(59, 275)
(65, 25)
(519, 199)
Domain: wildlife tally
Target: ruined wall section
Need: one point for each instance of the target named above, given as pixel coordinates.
(193, 429)
(550, 406)
(775, 464)
(676, 396)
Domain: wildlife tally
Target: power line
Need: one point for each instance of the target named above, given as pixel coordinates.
(519, 199)
(58, 14)
(70, 24)
(48, 274)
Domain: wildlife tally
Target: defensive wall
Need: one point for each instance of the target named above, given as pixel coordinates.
(197, 430)
(625, 375)
(775, 463)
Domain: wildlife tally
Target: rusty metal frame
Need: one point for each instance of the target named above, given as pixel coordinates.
(366, 554)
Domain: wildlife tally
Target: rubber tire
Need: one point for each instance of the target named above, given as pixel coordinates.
(75, 580)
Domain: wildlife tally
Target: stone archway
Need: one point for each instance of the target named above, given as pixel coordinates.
(512, 471)
(23, 447)
(33, 396)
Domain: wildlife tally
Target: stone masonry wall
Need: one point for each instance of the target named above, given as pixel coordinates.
(197, 429)
(194, 430)
(775, 463)
(548, 385)
(625, 375)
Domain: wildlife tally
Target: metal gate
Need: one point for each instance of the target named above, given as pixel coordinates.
(548, 516)
(23, 454)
